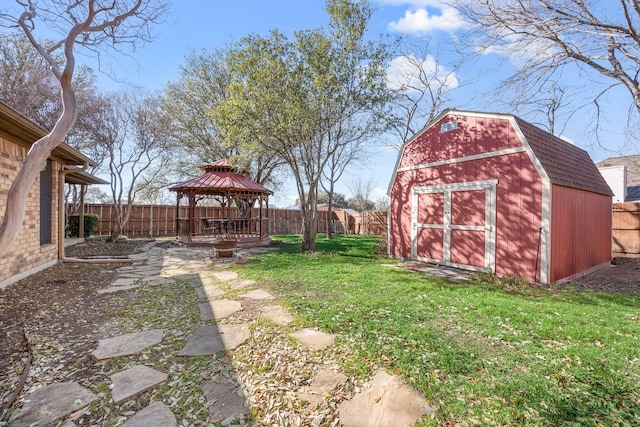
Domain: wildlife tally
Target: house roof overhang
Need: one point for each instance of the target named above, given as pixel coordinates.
(83, 178)
(25, 133)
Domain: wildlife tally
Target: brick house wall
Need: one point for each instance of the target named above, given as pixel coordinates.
(26, 253)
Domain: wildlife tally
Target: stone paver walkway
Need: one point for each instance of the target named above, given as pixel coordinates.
(127, 344)
(134, 380)
(156, 415)
(384, 401)
(52, 403)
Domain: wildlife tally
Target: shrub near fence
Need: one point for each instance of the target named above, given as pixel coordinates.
(160, 220)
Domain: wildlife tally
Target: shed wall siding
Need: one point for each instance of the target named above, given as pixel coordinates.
(581, 231)
(518, 189)
(26, 253)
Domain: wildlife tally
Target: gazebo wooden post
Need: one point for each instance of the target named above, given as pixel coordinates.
(267, 215)
(260, 216)
(178, 197)
(192, 212)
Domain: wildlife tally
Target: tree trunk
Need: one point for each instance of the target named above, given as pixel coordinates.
(309, 229)
(330, 215)
(34, 162)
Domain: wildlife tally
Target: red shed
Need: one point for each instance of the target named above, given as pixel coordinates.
(491, 192)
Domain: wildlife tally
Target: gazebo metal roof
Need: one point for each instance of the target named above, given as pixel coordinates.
(220, 177)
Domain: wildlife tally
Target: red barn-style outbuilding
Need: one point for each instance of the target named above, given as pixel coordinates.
(491, 192)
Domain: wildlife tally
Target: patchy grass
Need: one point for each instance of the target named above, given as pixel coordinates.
(484, 352)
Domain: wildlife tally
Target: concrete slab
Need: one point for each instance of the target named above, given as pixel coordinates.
(209, 292)
(257, 294)
(155, 414)
(387, 402)
(278, 314)
(113, 289)
(212, 339)
(127, 344)
(224, 401)
(218, 309)
(134, 380)
(316, 340)
(241, 283)
(325, 380)
(52, 403)
(225, 276)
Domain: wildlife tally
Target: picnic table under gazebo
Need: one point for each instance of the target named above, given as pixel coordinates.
(240, 207)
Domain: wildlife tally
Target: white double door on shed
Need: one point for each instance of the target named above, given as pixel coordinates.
(454, 224)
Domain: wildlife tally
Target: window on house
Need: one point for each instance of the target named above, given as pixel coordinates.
(46, 198)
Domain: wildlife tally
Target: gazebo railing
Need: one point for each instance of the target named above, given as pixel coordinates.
(239, 228)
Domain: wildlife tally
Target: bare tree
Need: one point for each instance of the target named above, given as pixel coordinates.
(136, 132)
(361, 190)
(90, 24)
(601, 38)
(420, 85)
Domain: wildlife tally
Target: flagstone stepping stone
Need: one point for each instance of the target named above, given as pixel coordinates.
(225, 276)
(218, 309)
(224, 401)
(316, 340)
(158, 280)
(156, 415)
(125, 281)
(387, 402)
(278, 314)
(241, 283)
(52, 403)
(324, 381)
(209, 292)
(173, 272)
(131, 275)
(207, 280)
(212, 339)
(113, 289)
(127, 344)
(257, 294)
(134, 380)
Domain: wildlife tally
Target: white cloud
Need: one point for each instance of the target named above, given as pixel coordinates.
(420, 21)
(407, 72)
(520, 50)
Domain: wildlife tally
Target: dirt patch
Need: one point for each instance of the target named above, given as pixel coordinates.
(62, 299)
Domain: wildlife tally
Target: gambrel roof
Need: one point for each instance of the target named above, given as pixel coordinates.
(559, 161)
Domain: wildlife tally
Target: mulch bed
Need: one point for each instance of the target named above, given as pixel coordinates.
(55, 298)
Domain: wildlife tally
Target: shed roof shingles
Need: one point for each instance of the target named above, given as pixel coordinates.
(565, 164)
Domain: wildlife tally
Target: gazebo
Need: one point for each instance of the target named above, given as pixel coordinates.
(241, 213)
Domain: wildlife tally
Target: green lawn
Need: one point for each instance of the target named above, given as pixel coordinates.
(483, 353)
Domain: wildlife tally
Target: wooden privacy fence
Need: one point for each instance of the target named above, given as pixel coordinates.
(160, 220)
(626, 230)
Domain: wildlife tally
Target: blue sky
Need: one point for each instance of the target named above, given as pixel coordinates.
(197, 24)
